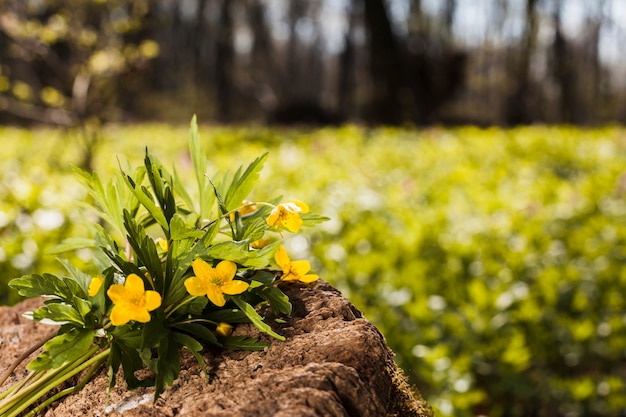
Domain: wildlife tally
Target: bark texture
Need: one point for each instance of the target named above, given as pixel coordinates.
(334, 363)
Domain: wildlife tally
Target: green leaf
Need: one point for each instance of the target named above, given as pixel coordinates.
(240, 253)
(184, 228)
(167, 366)
(277, 299)
(153, 333)
(72, 244)
(242, 184)
(310, 219)
(255, 318)
(146, 200)
(65, 347)
(243, 343)
(46, 285)
(60, 313)
(78, 276)
(200, 331)
(145, 250)
(130, 361)
(200, 162)
(228, 316)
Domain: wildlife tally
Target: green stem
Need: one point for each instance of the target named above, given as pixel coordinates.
(68, 391)
(47, 381)
(182, 303)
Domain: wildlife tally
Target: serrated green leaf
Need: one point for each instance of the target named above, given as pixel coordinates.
(46, 285)
(78, 276)
(58, 312)
(63, 348)
(240, 253)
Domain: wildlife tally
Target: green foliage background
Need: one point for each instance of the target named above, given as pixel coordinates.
(492, 260)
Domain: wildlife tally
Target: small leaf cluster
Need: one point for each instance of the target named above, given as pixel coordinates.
(155, 228)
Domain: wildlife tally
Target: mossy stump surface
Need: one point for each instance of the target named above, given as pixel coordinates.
(333, 363)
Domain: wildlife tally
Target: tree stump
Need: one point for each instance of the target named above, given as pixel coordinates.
(333, 363)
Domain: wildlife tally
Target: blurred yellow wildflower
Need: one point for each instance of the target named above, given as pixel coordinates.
(94, 285)
(287, 215)
(132, 302)
(224, 329)
(293, 270)
(214, 282)
(163, 244)
(260, 244)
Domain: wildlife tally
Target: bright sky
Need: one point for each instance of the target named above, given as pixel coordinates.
(471, 21)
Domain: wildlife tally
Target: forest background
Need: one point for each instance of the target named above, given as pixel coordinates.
(485, 62)
(470, 154)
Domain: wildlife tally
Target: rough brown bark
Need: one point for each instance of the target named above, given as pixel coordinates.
(334, 363)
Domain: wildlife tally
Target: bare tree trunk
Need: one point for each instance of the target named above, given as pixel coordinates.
(347, 71)
(562, 69)
(225, 63)
(385, 66)
(518, 106)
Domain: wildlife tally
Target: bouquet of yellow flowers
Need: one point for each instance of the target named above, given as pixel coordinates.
(174, 272)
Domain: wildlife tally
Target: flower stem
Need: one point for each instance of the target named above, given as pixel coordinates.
(47, 380)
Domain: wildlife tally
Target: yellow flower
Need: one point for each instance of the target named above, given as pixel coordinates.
(163, 244)
(260, 244)
(132, 302)
(293, 270)
(94, 286)
(287, 215)
(214, 282)
(224, 329)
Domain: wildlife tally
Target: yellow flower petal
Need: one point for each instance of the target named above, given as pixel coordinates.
(226, 270)
(117, 293)
(309, 278)
(224, 329)
(292, 222)
(141, 316)
(120, 315)
(302, 206)
(300, 267)
(132, 302)
(282, 259)
(195, 286)
(153, 300)
(202, 269)
(216, 296)
(235, 287)
(272, 219)
(95, 285)
(134, 285)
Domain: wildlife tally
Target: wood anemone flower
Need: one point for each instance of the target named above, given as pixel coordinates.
(287, 215)
(293, 270)
(132, 302)
(214, 282)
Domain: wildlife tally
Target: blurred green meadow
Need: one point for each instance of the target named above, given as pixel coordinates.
(492, 260)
